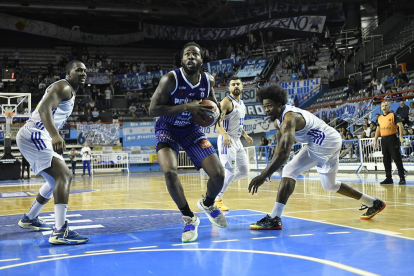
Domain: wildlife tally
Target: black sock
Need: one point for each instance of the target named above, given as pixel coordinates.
(186, 211)
(208, 201)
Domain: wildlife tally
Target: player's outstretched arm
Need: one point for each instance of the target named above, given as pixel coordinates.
(283, 147)
(225, 106)
(60, 91)
(160, 100)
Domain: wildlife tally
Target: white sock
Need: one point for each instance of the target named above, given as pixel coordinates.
(34, 210)
(60, 215)
(277, 210)
(367, 200)
(219, 196)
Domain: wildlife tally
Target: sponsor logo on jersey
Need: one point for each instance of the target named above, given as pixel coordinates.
(202, 89)
(191, 94)
(205, 144)
(182, 87)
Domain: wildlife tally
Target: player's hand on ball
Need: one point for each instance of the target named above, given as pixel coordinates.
(226, 141)
(199, 110)
(256, 183)
(249, 140)
(58, 144)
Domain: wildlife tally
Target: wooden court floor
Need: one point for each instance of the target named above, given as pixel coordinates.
(309, 201)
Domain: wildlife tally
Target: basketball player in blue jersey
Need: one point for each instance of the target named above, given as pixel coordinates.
(41, 144)
(231, 152)
(322, 150)
(176, 99)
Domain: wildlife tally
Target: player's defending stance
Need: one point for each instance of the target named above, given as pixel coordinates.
(40, 143)
(230, 147)
(324, 145)
(175, 100)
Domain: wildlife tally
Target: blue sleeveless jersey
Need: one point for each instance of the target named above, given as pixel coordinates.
(185, 92)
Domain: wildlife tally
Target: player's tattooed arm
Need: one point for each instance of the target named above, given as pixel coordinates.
(247, 137)
(225, 106)
(283, 147)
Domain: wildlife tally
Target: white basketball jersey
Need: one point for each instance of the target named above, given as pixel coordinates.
(234, 121)
(316, 132)
(60, 114)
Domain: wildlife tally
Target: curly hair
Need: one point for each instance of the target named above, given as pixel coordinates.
(272, 92)
(193, 44)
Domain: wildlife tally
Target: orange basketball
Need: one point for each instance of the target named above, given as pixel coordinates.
(212, 117)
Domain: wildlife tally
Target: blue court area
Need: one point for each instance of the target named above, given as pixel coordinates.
(148, 242)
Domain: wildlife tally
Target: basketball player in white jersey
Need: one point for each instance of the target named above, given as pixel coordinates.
(40, 143)
(231, 152)
(323, 146)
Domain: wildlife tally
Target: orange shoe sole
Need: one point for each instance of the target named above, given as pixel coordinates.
(367, 218)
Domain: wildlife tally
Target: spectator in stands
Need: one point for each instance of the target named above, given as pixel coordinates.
(392, 78)
(95, 114)
(92, 103)
(117, 86)
(411, 113)
(337, 73)
(274, 78)
(115, 116)
(384, 79)
(376, 118)
(403, 111)
(100, 100)
(89, 116)
(361, 66)
(334, 121)
(16, 58)
(327, 35)
(145, 87)
(108, 96)
(263, 142)
(372, 127)
(368, 91)
(142, 67)
(401, 79)
(304, 75)
(380, 87)
(99, 64)
(294, 76)
(155, 81)
(325, 119)
(42, 87)
(132, 108)
(367, 130)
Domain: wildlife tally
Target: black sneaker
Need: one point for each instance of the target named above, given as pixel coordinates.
(267, 223)
(387, 181)
(402, 181)
(372, 211)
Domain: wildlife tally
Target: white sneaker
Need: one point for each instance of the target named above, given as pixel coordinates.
(214, 214)
(190, 233)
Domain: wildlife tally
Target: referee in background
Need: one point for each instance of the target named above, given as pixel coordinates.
(389, 124)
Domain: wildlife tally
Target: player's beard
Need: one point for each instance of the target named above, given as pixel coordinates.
(195, 69)
(236, 92)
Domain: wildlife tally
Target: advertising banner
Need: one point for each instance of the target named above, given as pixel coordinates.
(298, 89)
(65, 131)
(135, 81)
(252, 67)
(248, 94)
(220, 65)
(97, 78)
(351, 112)
(139, 134)
(98, 134)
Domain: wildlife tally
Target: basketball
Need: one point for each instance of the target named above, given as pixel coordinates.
(212, 116)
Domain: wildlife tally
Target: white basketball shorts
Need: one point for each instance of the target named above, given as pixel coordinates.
(36, 147)
(235, 156)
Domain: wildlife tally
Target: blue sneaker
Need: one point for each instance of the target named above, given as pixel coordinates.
(66, 236)
(213, 213)
(190, 233)
(35, 224)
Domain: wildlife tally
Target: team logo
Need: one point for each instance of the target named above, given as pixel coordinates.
(233, 162)
(205, 144)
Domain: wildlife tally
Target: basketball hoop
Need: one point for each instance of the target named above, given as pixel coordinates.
(9, 114)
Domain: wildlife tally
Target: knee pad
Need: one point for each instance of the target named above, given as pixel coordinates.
(244, 170)
(329, 183)
(290, 172)
(47, 189)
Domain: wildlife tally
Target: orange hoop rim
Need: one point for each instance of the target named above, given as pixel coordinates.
(9, 114)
